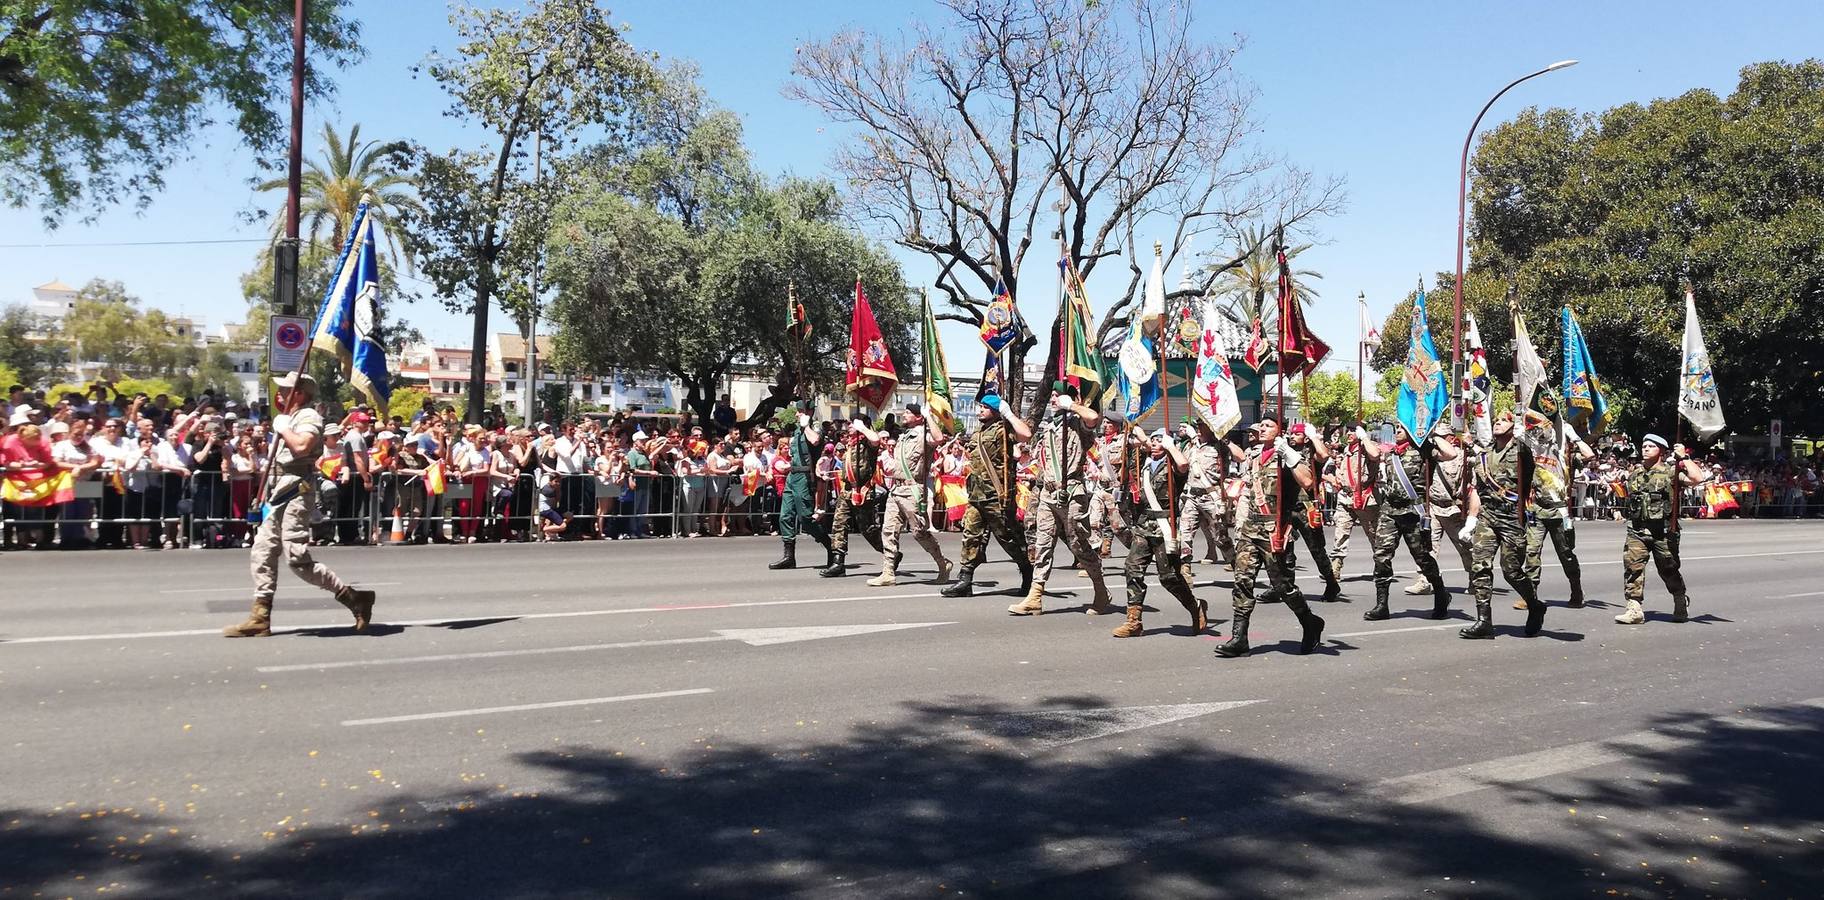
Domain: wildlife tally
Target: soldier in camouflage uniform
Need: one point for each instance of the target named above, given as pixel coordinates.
(855, 505)
(1401, 517)
(1307, 518)
(1061, 450)
(1355, 477)
(284, 530)
(1652, 509)
(907, 502)
(1202, 509)
(1265, 541)
(990, 484)
(1147, 504)
(1551, 492)
(1500, 483)
(1104, 475)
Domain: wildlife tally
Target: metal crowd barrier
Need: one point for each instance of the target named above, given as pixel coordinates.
(208, 509)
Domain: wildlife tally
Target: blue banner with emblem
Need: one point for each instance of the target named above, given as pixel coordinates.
(348, 320)
(1583, 401)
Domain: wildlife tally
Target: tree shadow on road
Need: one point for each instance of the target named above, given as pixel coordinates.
(965, 795)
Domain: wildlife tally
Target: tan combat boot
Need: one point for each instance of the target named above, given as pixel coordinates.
(1131, 627)
(1034, 604)
(944, 568)
(886, 577)
(1519, 604)
(360, 602)
(1101, 604)
(1633, 615)
(258, 624)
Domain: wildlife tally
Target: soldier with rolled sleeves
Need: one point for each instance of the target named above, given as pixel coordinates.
(991, 504)
(1356, 479)
(1401, 517)
(854, 493)
(1104, 475)
(907, 509)
(1551, 491)
(1446, 502)
(285, 522)
(1307, 517)
(1062, 507)
(1147, 504)
(797, 508)
(1652, 510)
(1501, 479)
(1202, 510)
(1266, 534)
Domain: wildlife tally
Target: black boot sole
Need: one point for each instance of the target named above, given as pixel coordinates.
(1535, 620)
(1314, 635)
(1376, 615)
(1471, 634)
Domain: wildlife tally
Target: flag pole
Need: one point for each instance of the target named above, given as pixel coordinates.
(1279, 366)
(1165, 410)
(1361, 356)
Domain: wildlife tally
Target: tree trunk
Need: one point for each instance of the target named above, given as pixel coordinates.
(478, 359)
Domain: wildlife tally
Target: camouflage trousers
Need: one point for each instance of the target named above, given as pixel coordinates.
(986, 516)
(1105, 522)
(1252, 552)
(1206, 513)
(1563, 532)
(1656, 540)
(1063, 509)
(906, 513)
(851, 516)
(1313, 537)
(1150, 548)
(1390, 529)
(1499, 532)
(285, 533)
(1343, 522)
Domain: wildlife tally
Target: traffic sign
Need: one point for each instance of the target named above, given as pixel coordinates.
(287, 344)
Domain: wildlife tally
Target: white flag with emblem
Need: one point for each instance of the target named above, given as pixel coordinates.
(1698, 400)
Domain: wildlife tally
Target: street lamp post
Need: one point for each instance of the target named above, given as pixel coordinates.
(1456, 342)
(285, 261)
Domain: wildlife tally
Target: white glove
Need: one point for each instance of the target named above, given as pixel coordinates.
(1287, 455)
(1062, 403)
(804, 421)
(1469, 529)
(856, 426)
(1570, 432)
(1187, 431)
(281, 422)
(1361, 434)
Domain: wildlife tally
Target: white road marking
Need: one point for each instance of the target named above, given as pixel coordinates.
(554, 704)
(1429, 787)
(242, 590)
(1805, 594)
(757, 637)
(1053, 728)
(1459, 623)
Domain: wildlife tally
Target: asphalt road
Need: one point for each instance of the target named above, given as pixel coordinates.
(669, 718)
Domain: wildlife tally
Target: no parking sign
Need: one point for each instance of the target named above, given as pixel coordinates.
(288, 341)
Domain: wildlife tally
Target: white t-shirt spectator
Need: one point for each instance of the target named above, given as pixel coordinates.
(572, 456)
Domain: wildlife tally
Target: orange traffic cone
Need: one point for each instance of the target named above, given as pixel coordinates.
(398, 536)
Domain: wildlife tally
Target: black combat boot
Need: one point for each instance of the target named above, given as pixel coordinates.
(1237, 644)
(1576, 594)
(1311, 622)
(836, 567)
(1025, 577)
(1333, 589)
(1535, 614)
(1379, 612)
(1484, 626)
(1681, 608)
(790, 559)
(1440, 600)
(965, 583)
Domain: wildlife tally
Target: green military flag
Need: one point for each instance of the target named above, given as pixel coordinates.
(937, 376)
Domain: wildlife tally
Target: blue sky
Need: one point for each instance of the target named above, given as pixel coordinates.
(1379, 93)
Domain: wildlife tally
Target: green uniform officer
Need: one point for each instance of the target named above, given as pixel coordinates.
(1497, 525)
(1266, 535)
(1652, 508)
(796, 508)
(991, 486)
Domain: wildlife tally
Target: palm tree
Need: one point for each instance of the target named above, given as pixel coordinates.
(1247, 287)
(332, 190)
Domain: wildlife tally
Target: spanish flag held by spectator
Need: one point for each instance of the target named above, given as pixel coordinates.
(38, 488)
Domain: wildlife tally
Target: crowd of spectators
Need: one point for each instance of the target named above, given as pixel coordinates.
(152, 474)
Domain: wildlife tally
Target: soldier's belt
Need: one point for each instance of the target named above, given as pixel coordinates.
(1197, 491)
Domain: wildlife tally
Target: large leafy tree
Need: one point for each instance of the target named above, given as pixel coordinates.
(673, 255)
(98, 97)
(559, 69)
(30, 346)
(1613, 212)
(108, 326)
(352, 169)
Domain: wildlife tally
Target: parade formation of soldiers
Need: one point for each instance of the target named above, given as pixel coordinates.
(1252, 499)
